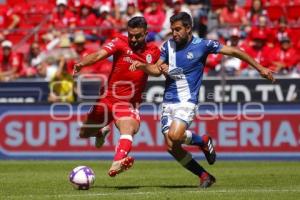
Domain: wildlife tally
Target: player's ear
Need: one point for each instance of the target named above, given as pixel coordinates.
(146, 33)
(189, 29)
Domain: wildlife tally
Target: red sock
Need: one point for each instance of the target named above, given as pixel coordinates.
(124, 147)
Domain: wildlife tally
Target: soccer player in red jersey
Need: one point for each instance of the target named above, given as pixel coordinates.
(123, 93)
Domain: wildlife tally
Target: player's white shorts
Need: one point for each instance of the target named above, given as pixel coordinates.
(184, 111)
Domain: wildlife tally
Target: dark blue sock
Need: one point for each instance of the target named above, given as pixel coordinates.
(194, 167)
(196, 140)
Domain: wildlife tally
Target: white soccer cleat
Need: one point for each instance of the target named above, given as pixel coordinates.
(101, 138)
(120, 165)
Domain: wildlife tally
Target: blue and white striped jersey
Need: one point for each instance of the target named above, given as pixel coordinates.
(186, 68)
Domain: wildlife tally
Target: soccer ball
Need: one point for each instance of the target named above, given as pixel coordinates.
(82, 177)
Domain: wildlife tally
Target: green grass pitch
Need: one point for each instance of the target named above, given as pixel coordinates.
(151, 180)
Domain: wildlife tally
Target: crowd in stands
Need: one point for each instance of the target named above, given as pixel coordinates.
(45, 38)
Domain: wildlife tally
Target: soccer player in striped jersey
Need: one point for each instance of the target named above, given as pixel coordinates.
(182, 61)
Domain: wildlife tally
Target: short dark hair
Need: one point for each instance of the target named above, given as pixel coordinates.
(137, 22)
(184, 17)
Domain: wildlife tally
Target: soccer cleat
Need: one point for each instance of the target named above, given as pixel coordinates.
(101, 138)
(120, 165)
(209, 150)
(206, 180)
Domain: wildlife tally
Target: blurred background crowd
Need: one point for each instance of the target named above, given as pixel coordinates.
(43, 39)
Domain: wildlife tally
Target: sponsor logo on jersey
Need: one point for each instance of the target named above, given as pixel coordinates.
(129, 52)
(190, 55)
(128, 59)
(148, 58)
(176, 73)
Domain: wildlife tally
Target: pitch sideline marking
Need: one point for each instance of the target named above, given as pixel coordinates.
(155, 192)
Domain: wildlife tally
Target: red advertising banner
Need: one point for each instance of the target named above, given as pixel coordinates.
(40, 134)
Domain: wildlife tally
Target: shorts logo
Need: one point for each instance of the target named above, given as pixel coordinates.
(148, 58)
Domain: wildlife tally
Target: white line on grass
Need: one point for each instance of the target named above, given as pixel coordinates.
(154, 192)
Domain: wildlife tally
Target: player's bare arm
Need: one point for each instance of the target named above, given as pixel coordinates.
(235, 52)
(90, 59)
(150, 69)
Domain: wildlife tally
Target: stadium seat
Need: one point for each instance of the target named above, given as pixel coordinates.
(293, 13)
(35, 18)
(295, 32)
(277, 2)
(217, 4)
(41, 7)
(15, 37)
(32, 2)
(275, 12)
(13, 2)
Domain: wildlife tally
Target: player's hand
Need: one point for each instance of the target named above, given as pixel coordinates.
(135, 65)
(164, 68)
(267, 74)
(77, 68)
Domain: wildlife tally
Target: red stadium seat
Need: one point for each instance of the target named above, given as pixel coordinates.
(275, 12)
(295, 32)
(41, 7)
(35, 18)
(13, 2)
(278, 2)
(15, 37)
(293, 12)
(32, 2)
(217, 4)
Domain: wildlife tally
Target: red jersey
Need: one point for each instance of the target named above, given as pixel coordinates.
(63, 21)
(235, 18)
(155, 19)
(288, 57)
(87, 22)
(260, 55)
(14, 60)
(123, 84)
(5, 17)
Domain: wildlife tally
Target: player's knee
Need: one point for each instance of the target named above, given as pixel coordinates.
(174, 137)
(128, 126)
(171, 145)
(128, 130)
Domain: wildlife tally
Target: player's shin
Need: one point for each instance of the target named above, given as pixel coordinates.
(204, 142)
(124, 146)
(189, 163)
(193, 139)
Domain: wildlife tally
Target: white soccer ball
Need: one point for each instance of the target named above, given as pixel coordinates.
(82, 177)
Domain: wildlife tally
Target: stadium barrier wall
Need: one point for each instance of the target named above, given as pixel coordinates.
(240, 131)
(284, 90)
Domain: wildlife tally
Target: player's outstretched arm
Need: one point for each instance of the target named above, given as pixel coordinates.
(151, 69)
(235, 52)
(90, 59)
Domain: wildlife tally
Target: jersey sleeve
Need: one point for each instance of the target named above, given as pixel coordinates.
(212, 46)
(164, 52)
(156, 54)
(112, 46)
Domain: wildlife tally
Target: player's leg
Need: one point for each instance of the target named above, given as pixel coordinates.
(100, 137)
(127, 121)
(174, 137)
(186, 113)
(96, 124)
(204, 142)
